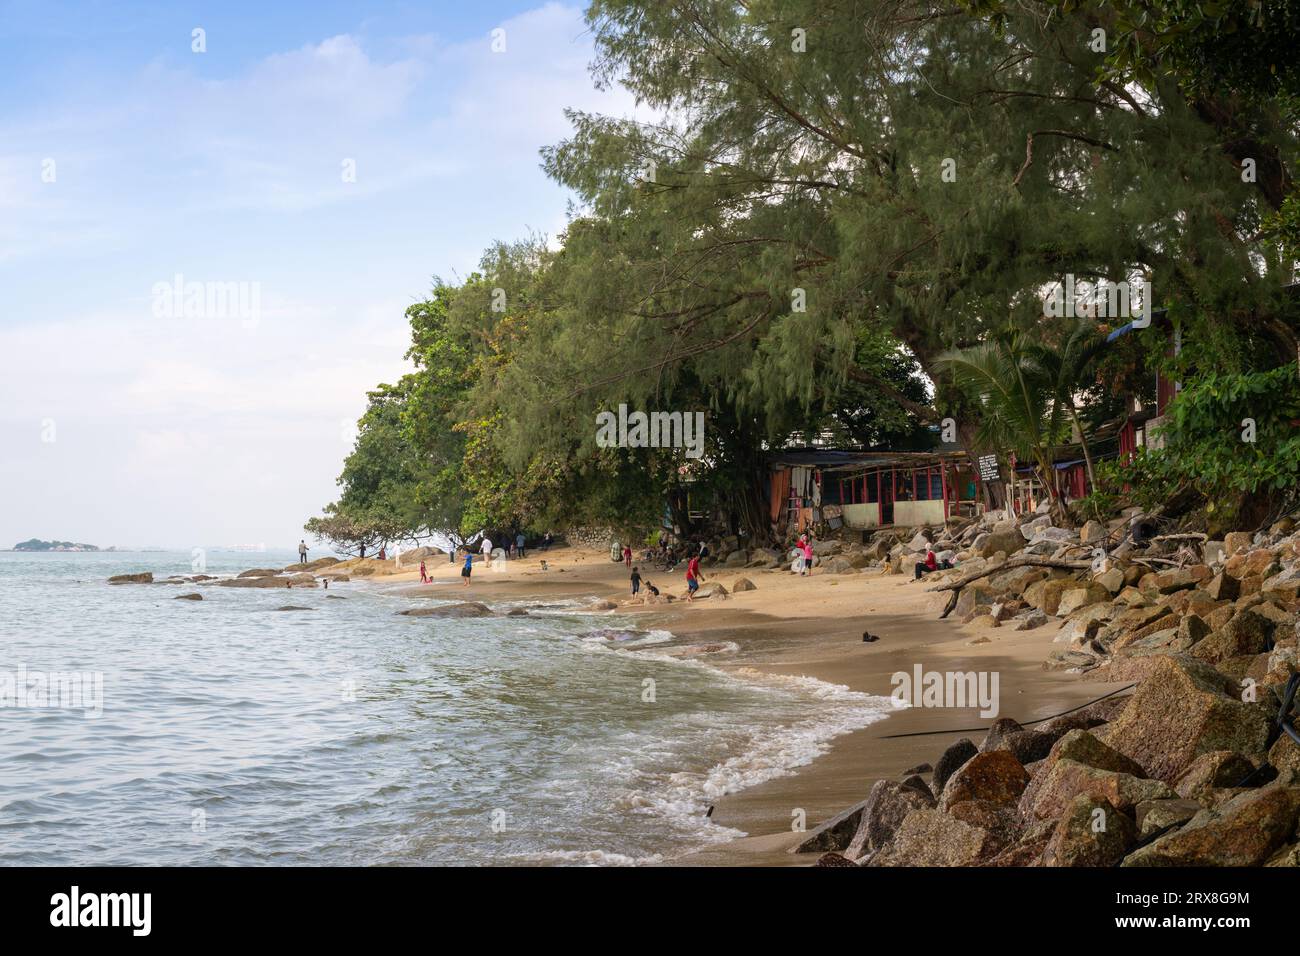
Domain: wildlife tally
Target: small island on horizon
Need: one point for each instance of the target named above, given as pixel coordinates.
(36, 544)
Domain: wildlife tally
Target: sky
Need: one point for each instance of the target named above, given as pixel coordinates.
(205, 254)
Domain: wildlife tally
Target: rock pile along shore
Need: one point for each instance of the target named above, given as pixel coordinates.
(1192, 768)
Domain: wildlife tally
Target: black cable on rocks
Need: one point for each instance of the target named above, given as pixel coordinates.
(971, 730)
(1284, 718)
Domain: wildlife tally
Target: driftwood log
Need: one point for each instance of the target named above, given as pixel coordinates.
(1026, 561)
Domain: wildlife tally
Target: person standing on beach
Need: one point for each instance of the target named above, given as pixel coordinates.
(693, 577)
(302, 552)
(467, 569)
(520, 541)
(424, 574)
(487, 550)
(546, 542)
(627, 556)
(636, 581)
(807, 557)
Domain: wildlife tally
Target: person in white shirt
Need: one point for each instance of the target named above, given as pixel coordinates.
(487, 551)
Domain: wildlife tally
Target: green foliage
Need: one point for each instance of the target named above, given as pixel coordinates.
(804, 230)
(1205, 451)
(1026, 388)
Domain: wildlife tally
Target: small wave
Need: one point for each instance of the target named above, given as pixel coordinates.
(614, 637)
(588, 858)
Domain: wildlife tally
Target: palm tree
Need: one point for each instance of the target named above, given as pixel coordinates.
(1068, 369)
(1025, 390)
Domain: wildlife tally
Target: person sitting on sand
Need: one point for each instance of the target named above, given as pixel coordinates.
(467, 569)
(424, 573)
(931, 564)
(636, 581)
(693, 577)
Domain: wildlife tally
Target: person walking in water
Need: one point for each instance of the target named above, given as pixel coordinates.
(302, 552)
(467, 569)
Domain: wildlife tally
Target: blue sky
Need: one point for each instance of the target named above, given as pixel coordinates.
(127, 159)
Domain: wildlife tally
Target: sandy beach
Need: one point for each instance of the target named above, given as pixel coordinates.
(810, 626)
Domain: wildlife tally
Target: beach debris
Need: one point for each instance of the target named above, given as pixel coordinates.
(869, 638)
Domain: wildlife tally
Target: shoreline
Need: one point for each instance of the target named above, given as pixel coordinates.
(800, 627)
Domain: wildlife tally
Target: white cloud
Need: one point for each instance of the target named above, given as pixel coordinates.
(187, 431)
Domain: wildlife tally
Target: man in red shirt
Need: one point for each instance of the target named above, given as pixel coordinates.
(693, 577)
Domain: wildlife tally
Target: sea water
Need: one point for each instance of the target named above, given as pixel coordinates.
(230, 732)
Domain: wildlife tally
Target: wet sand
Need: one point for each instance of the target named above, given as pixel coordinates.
(810, 626)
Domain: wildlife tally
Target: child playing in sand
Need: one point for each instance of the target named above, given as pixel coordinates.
(636, 581)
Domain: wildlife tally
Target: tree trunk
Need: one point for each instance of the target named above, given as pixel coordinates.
(1083, 443)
